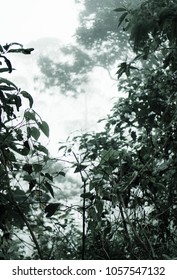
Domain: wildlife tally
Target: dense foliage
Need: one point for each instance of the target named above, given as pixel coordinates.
(129, 170)
(26, 183)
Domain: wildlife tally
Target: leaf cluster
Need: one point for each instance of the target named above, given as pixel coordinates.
(130, 167)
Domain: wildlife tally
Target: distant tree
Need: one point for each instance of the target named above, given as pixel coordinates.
(97, 44)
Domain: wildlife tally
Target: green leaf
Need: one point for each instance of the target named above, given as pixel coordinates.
(32, 184)
(37, 167)
(92, 213)
(7, 82)
(79, 168)
(62, 173)
(51, 209)
(34, 132)
(7, 46)
(99, 205)
(119, 10)
(26, 145)
(28, 168)
(30, 116)
(44, 127)
(86, 195)
(6, 88)
(41, 148)
(122, 17)
(133, 135)
(24, 151)
(13, 98)
(27, 178)
(24, 51)
(28, 96)
(48, 176)
(5, 70)
(49, 188)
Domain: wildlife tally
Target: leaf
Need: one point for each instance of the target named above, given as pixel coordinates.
(79, 168)
(28, 96)
(133, 135)
(41, 148)
(13, 98)
(99, 205)
(49, 187)
(7, 82)
(6, 88)
(122, 69)
(7, 46)
(28, 168)
(37, 167)
(8, 63)
(48, 176)
(62, 173)
(122, 17)
(32, 184)
(27, 178)
(5, 70)
(30, 116)
(51, 209)
(27, 51)
(26, 149)
(92, 213)
(34, 132)
(121, 9)
(18, 102)
(44, 127)
(86, 195)
(26, 145)
(24, 51)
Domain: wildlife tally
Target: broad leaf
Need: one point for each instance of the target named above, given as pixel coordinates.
(7, 82)
(49, 188)
(44, 127)
(28, 96)
(30, 116)
(122, 17)
(79, 168)
(37, 167)
(51, 209)
(34, 132)
(86, 195)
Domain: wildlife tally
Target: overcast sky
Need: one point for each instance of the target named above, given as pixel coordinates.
(26, 20)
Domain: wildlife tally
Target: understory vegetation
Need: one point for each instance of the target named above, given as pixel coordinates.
(127, 189)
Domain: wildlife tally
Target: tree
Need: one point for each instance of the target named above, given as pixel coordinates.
(26, 184)
(97, 44)
(129, 169)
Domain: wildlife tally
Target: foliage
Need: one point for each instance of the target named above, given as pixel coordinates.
(26, 183)
(129, 169)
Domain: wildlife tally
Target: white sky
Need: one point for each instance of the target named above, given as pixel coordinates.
(25, 20)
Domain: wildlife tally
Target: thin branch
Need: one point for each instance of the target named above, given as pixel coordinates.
(83, 211)
(13, 201)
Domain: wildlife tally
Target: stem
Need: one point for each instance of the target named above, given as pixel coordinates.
(13, 201)
(83, 210)
(83, 223)
(132, 227)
